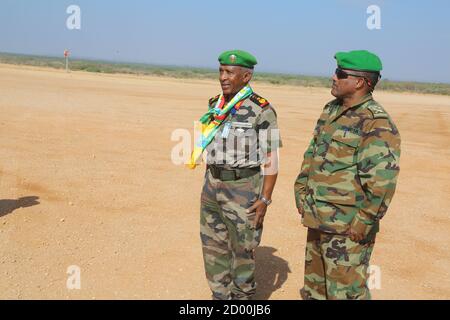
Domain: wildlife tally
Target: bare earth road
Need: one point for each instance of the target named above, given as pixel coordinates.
(86, 179)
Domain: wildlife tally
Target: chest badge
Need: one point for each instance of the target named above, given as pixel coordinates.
(226, 130)
(247, 125)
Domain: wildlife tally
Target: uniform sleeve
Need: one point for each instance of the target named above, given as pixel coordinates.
(271, 134)
(378, 168)
(300, 182)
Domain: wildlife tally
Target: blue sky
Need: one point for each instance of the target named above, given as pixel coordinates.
(289, 36)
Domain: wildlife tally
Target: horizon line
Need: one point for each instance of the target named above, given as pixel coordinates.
(150, 64)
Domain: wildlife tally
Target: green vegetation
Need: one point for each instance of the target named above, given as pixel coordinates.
(203, 73)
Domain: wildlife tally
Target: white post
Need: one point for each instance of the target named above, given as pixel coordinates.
(66, 55)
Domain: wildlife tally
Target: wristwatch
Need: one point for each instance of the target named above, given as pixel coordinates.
(267, 202)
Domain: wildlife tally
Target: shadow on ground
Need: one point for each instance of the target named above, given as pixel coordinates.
(8, 206)
(271, 272)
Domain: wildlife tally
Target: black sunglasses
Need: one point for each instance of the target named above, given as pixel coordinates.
(341, 74)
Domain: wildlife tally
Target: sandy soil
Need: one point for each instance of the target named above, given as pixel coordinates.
(86, 179)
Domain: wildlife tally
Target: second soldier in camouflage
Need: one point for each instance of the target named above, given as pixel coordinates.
(347, 181)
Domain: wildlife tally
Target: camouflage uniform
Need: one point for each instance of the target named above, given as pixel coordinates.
(227, 231)
(347, 179)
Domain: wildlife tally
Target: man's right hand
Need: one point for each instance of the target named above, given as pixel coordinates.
(301, 212)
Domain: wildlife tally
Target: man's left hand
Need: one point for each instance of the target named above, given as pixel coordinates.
(355, 236)
(260, 208)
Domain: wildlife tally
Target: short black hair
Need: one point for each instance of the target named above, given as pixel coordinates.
(372, 79)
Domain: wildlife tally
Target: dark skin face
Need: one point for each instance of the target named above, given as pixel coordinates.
(346, 89)
(232, 79)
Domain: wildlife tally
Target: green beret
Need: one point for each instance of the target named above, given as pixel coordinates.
(237, 58)
(360, 60)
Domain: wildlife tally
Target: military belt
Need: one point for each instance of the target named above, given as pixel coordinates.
(232, 174)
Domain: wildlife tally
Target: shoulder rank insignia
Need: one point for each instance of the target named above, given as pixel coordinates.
(260, 101)
(377, 111)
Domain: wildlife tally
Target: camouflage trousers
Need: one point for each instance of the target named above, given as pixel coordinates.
(336, 267)
(228, 235)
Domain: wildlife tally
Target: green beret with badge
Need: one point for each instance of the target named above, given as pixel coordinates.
(237, 58)
(359, 60)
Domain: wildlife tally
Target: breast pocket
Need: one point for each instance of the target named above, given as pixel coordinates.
(340, 168)
(243, 136)
(341, 151)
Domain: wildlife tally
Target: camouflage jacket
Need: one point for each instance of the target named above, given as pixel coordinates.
(350, 168)
(252, 133)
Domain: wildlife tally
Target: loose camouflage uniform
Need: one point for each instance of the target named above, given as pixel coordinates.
(348, 178)
(227, 231)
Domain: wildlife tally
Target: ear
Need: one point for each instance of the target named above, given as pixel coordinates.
(360, 83)
(247, 76)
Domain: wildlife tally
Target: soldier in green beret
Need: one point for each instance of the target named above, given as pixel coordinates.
(241, 139)
(347, 181)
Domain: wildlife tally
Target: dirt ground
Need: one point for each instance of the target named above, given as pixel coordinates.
(86, 179)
